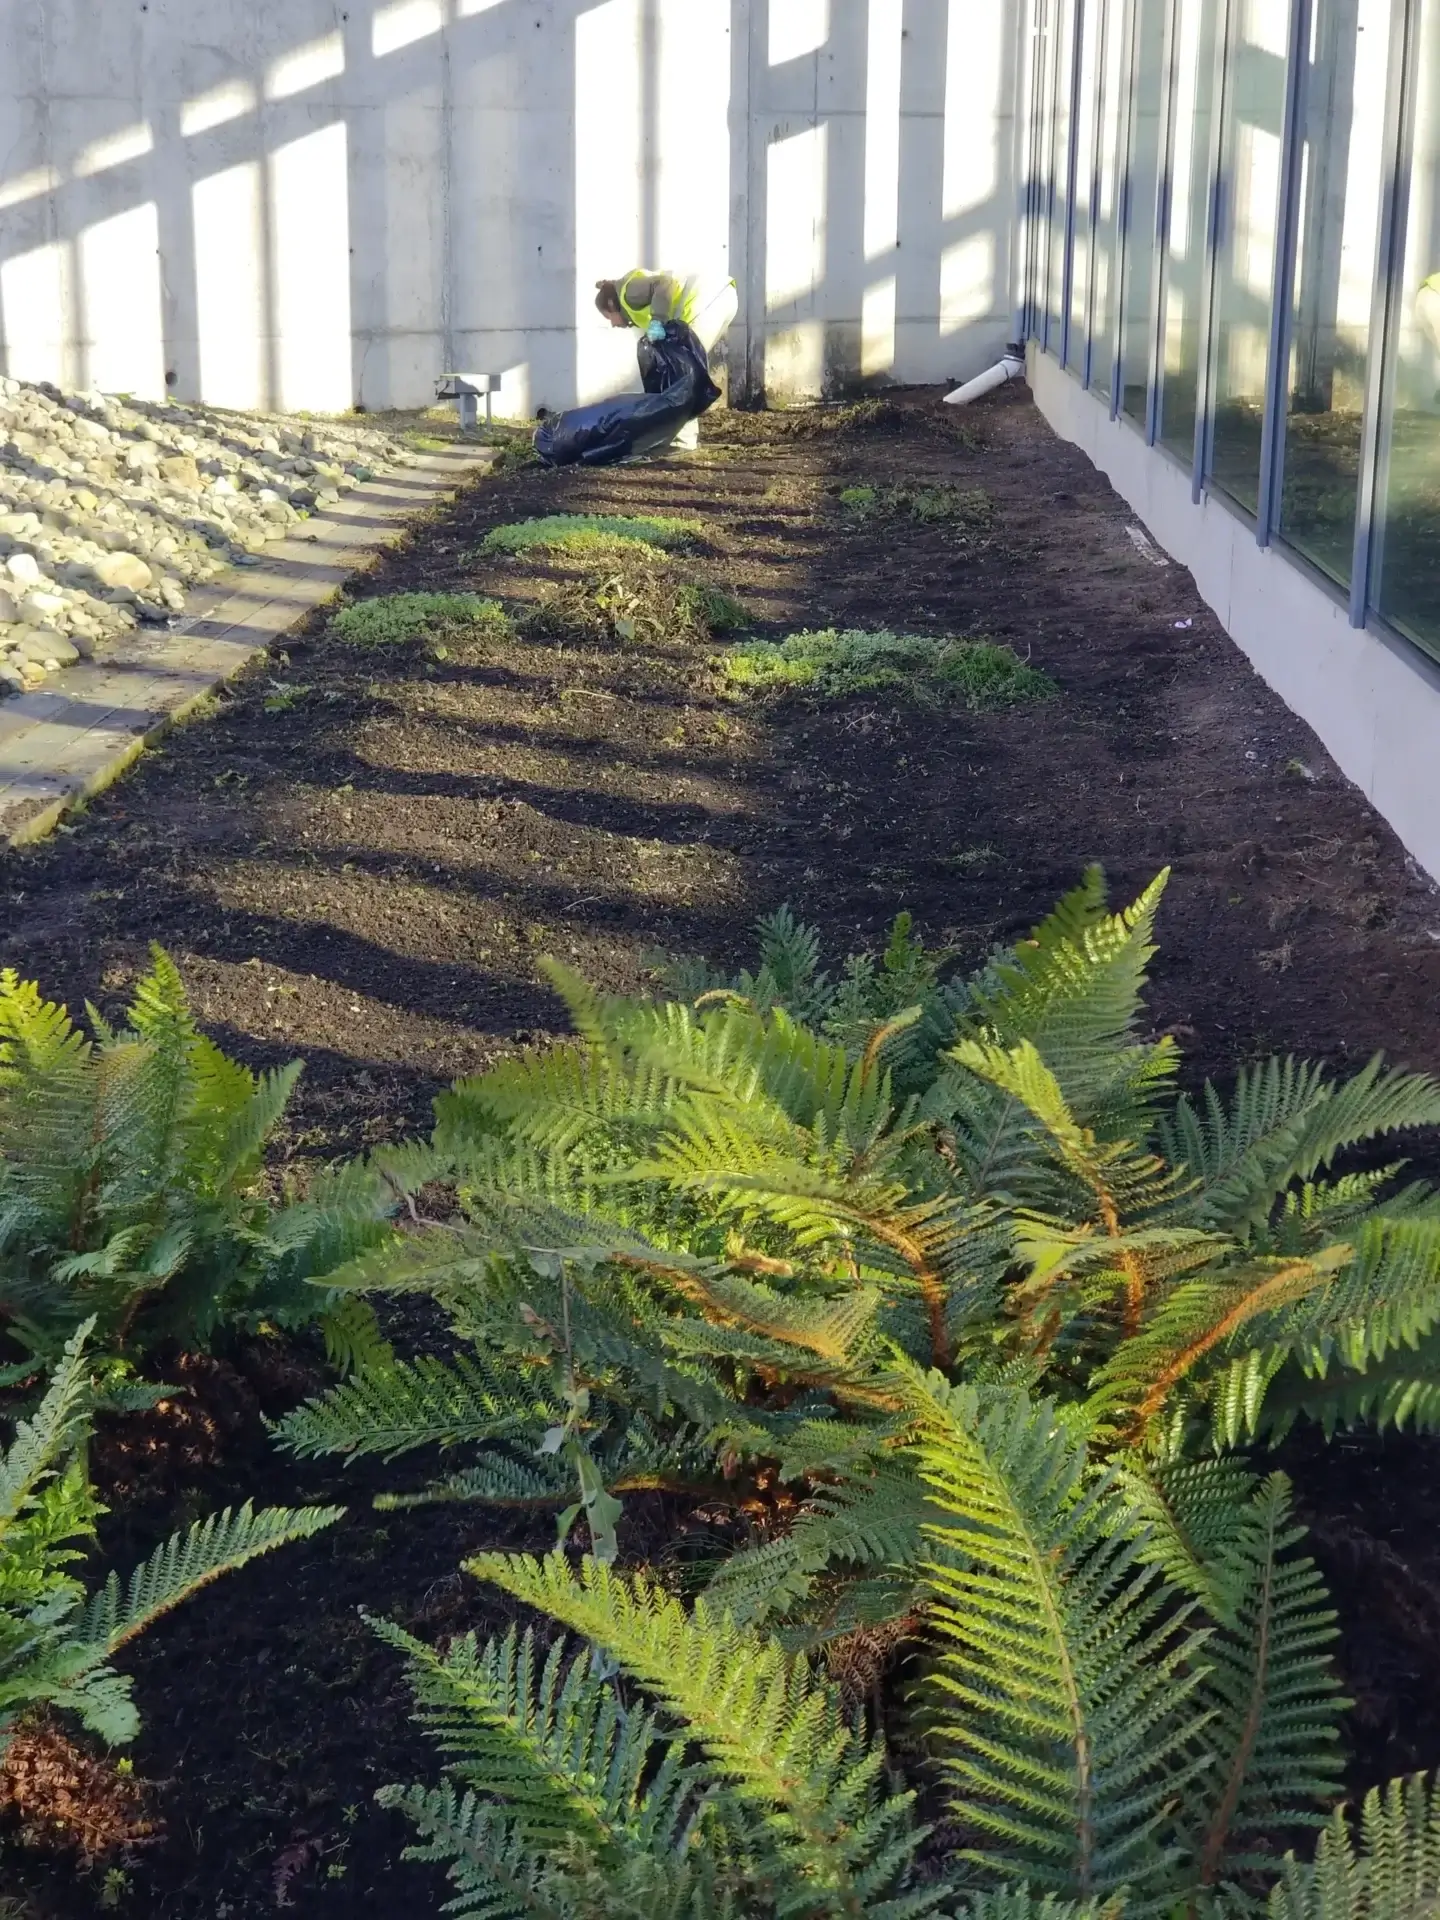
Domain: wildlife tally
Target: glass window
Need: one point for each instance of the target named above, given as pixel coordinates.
(1091, 14)
(1245, 254)
(1342, 162)
(1111, 124)
(1062, 23)
(1147, 93)
(1409, 500)
(1190, 182)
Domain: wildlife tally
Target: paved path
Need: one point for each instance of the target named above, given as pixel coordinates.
(85, 727)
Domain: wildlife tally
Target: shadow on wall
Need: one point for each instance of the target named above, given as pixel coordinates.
(303, 205)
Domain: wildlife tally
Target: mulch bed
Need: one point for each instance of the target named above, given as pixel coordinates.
(359, 856)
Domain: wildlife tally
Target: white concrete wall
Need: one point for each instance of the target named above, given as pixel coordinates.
(1373, 701)
(310, 203)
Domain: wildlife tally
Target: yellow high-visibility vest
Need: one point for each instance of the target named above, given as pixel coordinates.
(685, 308)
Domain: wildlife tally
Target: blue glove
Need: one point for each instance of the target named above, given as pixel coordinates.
(655, 330)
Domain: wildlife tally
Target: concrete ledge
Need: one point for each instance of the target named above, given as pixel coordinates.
(80, 732)
(1374, 701)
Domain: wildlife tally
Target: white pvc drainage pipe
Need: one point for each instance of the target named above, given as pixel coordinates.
(1012, 367)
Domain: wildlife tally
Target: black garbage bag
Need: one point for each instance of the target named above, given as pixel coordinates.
(678, 388)
(666, 363)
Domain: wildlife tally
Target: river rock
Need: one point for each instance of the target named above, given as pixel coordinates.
(123, 570)
(39, 609)
(24, 569)
(181, 471)
(45, 648)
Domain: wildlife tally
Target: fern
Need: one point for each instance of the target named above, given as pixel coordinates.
(129, 1178)
(577, 1776)
(1067, 1674)
(768, 1726)
(55, 1643)
(1395, 1875)
(1277, 1702)
(403, 1405)
(188, 1561)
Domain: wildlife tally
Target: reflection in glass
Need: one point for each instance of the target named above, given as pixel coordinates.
(1245, 256)
(1342, 179)
(1409, 573)
(1111, 122)
(1189, 213)
(1147, 120)
(1092, 11)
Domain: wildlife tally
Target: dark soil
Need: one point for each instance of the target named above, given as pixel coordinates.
(363, 872)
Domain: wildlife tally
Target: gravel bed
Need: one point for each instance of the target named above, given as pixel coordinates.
(113, 510)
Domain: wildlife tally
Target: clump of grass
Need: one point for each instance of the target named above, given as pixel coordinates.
(514, 445)
(394, 617)
(636, 596)
(710, 610)
(832, 664)
(579, 532)
(968, 507)
(861, 501)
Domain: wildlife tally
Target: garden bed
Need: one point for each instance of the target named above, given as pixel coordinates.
(359, 857)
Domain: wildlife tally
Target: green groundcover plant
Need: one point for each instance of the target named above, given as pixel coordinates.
(1009, 1321)
(392, 618)
(586, 532)
(132, 1188)
(832, 665)
(968, 507)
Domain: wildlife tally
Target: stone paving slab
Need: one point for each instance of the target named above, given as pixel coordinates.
(81, 730)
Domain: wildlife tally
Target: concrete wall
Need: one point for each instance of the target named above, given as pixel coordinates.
(310, 203)
(1374, 701)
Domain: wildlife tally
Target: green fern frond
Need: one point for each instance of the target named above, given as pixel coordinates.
(548, 1737)
(1278, 1705)
(1073, 990)
(1194, 1512)
(498, 1876)
(352, 1336)
(493, 1479)
(1018, 1903)
(418, 1403)
(1393, 1875)
(42, 1443)
(1401, 1391)
(860, 1525)
(1067, 1671)
(188, 1561)
(1286, 1119)
(767, 1724)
